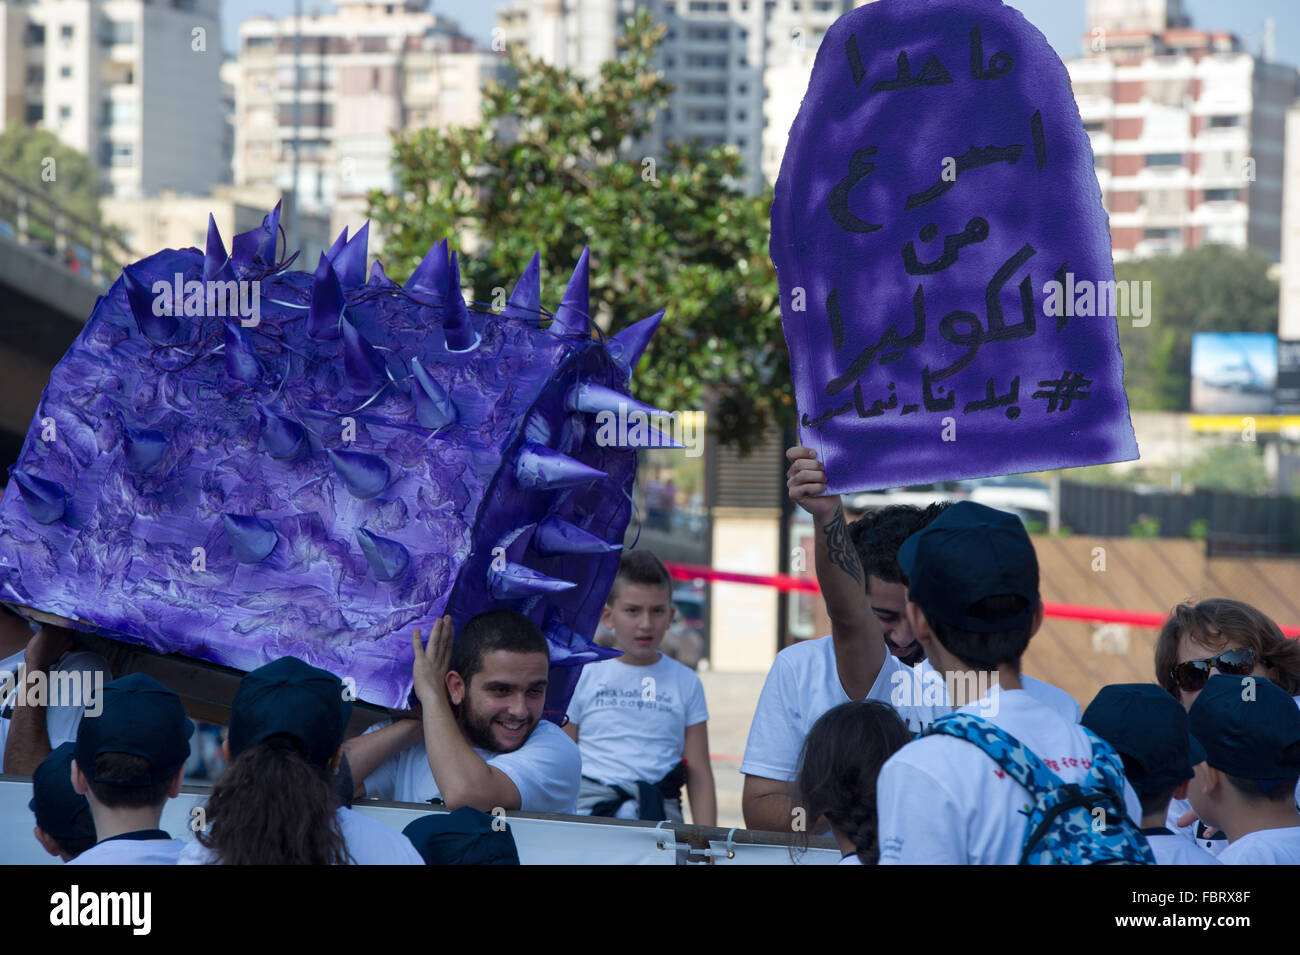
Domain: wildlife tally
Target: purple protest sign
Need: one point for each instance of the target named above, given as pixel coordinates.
(936, 183)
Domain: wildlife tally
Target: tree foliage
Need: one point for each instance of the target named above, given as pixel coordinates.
(1209, 289)
(552, 168)
(74, 184)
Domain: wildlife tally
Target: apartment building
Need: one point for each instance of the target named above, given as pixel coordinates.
(1187, 130)
(133, 84)
(739, 68)
(338, 86)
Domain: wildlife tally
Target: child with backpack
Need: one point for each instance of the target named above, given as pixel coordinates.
(1005, 779)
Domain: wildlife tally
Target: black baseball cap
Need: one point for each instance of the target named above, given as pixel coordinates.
(60, 810)
(1250, 728)
(464, 836)
(1146, 724)
(968, 553)
(294, 699)
(141, 717)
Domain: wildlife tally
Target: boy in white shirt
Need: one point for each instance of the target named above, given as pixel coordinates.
(973, 604)
(129, 760)
(1250, 729)
(640, 720)
(1149, 730)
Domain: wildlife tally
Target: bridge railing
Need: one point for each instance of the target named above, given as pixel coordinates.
(38, 222)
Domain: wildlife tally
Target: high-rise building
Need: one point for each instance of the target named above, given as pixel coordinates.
(739, 68)
(1187, 131)
(130, 83)
(337, 87)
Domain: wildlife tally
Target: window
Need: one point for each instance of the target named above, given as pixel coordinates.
(743, 61)
(1164, 159)
(65, 71)
(259, 43)
(65, 31)
(117, 31)
(741, 116)
(35, 34)
(118, 154)
(822, 6)
(65, 112)
(1222, 195)
(35, 74)
(1222, 122)
(1095, 127)
(1160, 233)
(119, 112)
(742, 143)
(35, 112)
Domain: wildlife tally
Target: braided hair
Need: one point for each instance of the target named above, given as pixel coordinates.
(837, 774)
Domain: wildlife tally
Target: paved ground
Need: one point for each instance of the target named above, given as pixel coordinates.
(731, 698)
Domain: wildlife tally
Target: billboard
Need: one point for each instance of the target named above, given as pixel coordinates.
(1234, 373)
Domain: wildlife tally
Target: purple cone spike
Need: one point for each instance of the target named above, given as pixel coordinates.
(338, 245)
(637, 435)
(365, 369)
(251, 538)
(542, 469)
(283, 437)
(628, 345)
(242, 362)
(388, 559)
(364, 474)
(378, 276)
(456, 326)
(156, 328)
(430, 276)
(525, 300)
(144, 449)
(593, 398)
(350, 263)
(257, 247)
(572, 317)
(516, 581)
(556, 537)
(46, 500)
(217, 266)
(326, 301)
(433, 406)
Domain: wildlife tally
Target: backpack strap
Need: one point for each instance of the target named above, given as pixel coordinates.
(1016, 760)
(1107, 771)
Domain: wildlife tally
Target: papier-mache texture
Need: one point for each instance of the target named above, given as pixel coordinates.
(354, 461)
(937, 179)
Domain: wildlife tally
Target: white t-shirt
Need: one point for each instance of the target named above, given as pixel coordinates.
(802, 685)
(1266, 847)
(1172, 849)
(632, 719)
(120, 851)
(369, 842)
(1063, 703)
(546, 770)
(943, 801)
(62, 720)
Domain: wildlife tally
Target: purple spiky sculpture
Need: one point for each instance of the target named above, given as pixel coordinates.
(319, 475)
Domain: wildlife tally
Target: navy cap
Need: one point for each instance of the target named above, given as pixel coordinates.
(290, 698)
(967, 553)
(1250, 728)
(462, 837)
(142, 717)
(60, 810)
(1146, 724)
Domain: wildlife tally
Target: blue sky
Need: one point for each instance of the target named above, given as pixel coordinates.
(1062, 21)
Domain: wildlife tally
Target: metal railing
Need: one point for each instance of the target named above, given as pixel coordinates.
(39, 223)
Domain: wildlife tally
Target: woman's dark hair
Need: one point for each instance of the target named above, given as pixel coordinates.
(841, 759)
(1221, 621)
(986, 651)
(273, 807)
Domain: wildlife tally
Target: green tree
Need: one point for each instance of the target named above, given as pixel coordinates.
(553, 168)
(1230, 467)
(70, 181)
(1210, 289)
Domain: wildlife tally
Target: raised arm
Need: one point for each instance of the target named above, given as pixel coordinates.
(28, 741)
(464, 778)
(368, 752)
(859, 646)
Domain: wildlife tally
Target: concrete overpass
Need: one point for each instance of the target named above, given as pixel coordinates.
(52, 272)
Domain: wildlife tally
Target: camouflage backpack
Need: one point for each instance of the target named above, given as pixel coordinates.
(1069, 823)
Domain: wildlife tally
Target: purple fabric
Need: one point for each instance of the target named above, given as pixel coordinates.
(893, 347)
(230, 439)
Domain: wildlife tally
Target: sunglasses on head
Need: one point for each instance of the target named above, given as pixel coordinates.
(1192, 675)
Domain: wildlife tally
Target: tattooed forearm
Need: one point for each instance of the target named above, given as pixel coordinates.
(840, 549)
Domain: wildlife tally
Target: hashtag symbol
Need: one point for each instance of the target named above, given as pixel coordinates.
(1064, 390)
